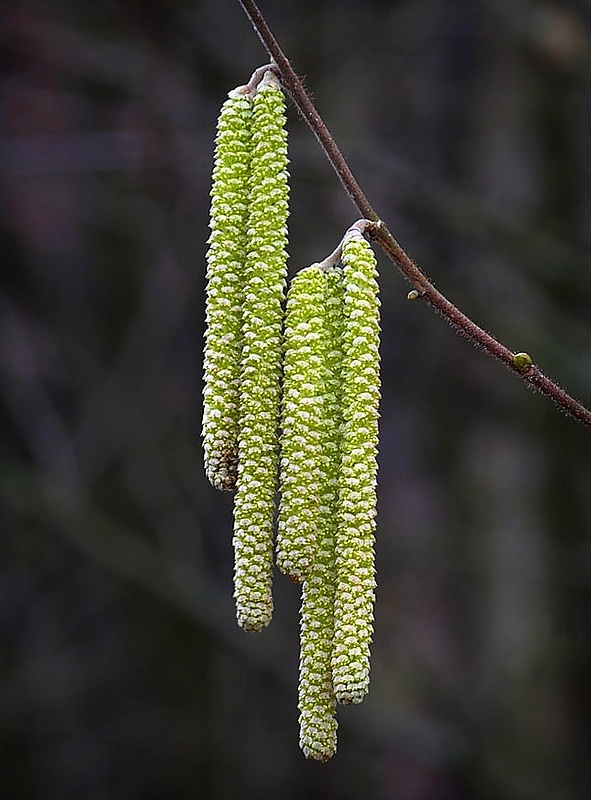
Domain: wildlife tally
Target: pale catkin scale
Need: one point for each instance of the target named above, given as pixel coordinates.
(301, 423)
(263, 299)
(226, 258)
(355, 590)
(316, 697)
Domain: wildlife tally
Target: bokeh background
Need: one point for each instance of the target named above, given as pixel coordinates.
(122, 672)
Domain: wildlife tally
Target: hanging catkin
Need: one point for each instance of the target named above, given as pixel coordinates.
(261, 358)
(226, 257)
(316, 698)
(302, 423)
(357, 490)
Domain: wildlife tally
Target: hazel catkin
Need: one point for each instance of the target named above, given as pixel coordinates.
(262, 321)
(226, 257)
(302, 422)
(355, 582)
(316, 698)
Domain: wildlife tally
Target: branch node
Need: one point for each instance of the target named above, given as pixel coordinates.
(375, 227)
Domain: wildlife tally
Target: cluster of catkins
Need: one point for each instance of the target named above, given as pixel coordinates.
(291, 396)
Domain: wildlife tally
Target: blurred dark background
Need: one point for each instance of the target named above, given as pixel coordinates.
(122, 672)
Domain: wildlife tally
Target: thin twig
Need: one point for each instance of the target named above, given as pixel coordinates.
(382, 236)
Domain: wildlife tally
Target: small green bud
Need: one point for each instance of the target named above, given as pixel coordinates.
(357, 496)
(414, 294)
(226, 258)
(523, 361)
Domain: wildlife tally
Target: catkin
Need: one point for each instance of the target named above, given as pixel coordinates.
(316, 698)
(301, 423)
(261, 359)
(357, 487)
(226, 257)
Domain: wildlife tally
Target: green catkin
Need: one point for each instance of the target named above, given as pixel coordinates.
(357, 498)
(263, 300)
(316, 698)
(301, 423)
(226, 258)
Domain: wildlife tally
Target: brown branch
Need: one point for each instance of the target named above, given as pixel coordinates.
(380, 233)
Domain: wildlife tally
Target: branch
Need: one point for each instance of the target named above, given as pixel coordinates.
(382, 236)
